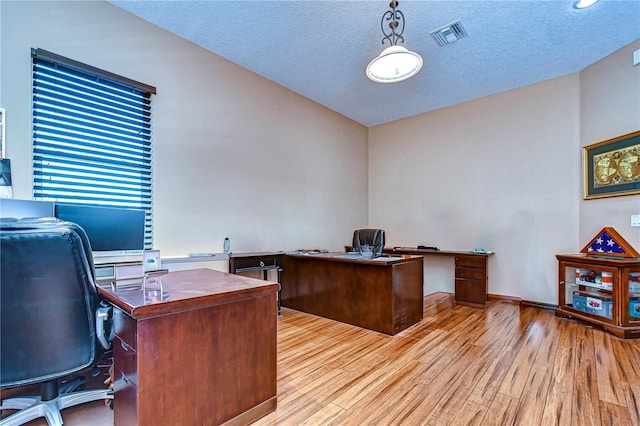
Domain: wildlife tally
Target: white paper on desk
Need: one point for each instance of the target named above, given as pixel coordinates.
(349, 256)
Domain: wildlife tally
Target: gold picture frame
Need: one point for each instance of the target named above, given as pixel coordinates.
(612, 168)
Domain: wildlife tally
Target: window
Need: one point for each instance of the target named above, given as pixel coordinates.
(91, 136)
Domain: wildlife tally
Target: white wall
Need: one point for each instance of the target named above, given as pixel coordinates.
(610, 107)
(234, 154)
(499, 172)
(505, 173)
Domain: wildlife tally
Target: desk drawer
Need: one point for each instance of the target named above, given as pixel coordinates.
(471, 273)
(125, 327)
(125, 400)
(471, 291)
(125, 359)
(472, 261)
(257, 262)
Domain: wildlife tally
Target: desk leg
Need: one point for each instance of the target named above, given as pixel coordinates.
(279, 270)
(265, 276)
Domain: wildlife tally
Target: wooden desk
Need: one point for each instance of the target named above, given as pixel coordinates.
(204, 355)
(257, 261)
(383, 294)
(471, 275)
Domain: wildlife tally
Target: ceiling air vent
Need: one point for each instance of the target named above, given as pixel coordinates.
(449, 33)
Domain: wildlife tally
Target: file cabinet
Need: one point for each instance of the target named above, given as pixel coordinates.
(471, 280)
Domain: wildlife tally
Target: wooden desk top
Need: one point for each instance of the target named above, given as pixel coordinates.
(357, 258)
(187, 290)
(257, 254)
(424, 252)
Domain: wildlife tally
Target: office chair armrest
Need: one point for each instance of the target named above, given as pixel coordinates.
(104, 326)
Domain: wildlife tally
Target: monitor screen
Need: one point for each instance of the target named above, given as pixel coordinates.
(12, 207)
(108, 229)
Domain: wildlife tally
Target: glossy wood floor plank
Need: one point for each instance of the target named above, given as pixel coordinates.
(549, 345)
(614, 415)
(586, 407)
(632, 394)
(502, 410)
(470, 414)
(503, 365)
(610, 387)
(533, 397)
(557, 410)
(516, 378)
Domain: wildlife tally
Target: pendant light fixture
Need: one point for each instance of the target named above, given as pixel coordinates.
(583, 4)
(395, 63)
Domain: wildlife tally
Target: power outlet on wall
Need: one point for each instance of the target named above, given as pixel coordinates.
(635, 220)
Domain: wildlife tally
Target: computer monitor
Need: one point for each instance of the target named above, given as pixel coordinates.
(16, 208)
(111, 231)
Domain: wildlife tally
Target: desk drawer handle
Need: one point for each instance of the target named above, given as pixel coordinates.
(261, 263)
(125, 345)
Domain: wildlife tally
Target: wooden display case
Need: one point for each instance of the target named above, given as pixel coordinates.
(601, 290)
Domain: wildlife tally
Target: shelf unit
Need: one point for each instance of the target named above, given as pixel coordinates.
(601, 290)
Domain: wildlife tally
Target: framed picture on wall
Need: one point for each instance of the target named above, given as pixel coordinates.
(612, 167)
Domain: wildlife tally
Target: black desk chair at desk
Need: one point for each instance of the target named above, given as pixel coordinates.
(371, 237)
(49, 311)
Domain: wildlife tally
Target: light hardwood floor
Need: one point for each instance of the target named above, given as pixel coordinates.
(505, 365)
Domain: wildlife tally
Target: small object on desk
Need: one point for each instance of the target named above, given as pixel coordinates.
(434, 248)
(481, 250)
(366, 251)
(151, 260)
(156, 272)
(201, 254)
(310, 251)
(227, 246)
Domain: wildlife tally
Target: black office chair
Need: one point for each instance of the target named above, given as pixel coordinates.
(371, 237)
(51, 319)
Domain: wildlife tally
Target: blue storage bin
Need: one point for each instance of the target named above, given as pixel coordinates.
(593, 303)
(634, 308)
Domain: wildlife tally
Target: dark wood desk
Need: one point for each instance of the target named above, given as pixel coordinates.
(383, 294)
(471, 274)
(257, 261)
(205, 355)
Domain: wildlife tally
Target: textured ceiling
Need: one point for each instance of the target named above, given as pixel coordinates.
(320, 49)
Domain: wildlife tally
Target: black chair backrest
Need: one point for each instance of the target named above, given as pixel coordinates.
(371, 237)
(48, 301)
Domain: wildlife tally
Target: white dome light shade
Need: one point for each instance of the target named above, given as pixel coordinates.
(394, 64)
(583, 4)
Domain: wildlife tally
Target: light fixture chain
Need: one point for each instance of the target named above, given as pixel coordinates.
(394, 30)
